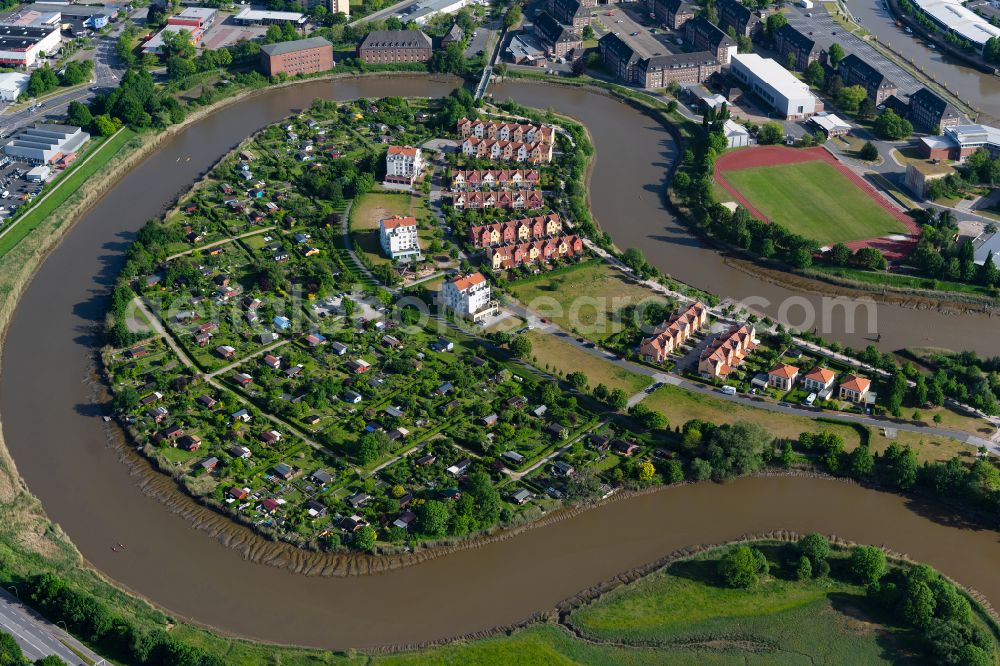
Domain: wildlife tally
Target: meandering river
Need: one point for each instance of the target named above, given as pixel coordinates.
(61, 449)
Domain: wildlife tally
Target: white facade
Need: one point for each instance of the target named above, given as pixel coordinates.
(45, 143)
(21, 46)
(737, 135)
(469, 296)
(403, 163)
(398, 236)
(953, 16)
(774, 84)
(12, 85)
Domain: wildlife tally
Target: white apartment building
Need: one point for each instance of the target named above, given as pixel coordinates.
(469, 296)
(775, 85)
(402, 165)
(399, 238)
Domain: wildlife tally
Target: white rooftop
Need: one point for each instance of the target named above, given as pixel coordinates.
(961, 20)
(197, 12)
(967, 135)
(247, 14)
(776, 76)
(733, 128)
(13, 81)
(830, 122)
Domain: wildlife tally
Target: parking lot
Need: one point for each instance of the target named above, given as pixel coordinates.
(825, 31)
(14, 184)
(635, 28)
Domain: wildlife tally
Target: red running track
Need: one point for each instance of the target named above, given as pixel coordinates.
(762, 156)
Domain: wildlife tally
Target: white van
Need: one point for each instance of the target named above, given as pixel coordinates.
(729, 390)
(810, 399)
(5, 194)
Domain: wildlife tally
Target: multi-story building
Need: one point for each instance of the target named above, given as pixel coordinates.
(775, 85)
(570, 12)
(855, 388)
(395, 46)
(21, 46)
(494, 179)
(302, 56)
(469, 296)
(960, 141)
(398, 236)
(627, 63)
(532, 252)
(495, 129)
(402, 165)
(797, 49)
(504, 200)
(783, 377)
(672, 13)
(557, 38)
(819, 380)
(331, 6)
(727, 351)
(856, 72)
(196, 18)
(507, 151)
(930, 113)
(733, 14)
(515, 231)
(673, 333)
(703, 35)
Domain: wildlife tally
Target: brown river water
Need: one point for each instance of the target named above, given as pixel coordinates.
(52, 429)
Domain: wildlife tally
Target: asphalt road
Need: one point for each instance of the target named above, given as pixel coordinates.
(37, 637)
(107, 71)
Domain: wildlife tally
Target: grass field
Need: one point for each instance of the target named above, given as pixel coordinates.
(815, 200)
(548, 350)
(780, 621)
(374, 206)
(67, 183)
(586, 298)
(680, 406)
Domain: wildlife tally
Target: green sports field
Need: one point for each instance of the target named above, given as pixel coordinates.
(815, 200)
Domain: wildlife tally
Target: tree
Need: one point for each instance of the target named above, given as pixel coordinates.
(815, 547)
(770, 133)
(868, 152)
(815, 75)
(860, 462)
(646, 472)
(991, 50)
(918, 605)
(588, 32)
(577, 380)
(743, 566)
(433, 518)
(10, 652)
(867, 108)
(836, 54)
(512, 17)
(804, 570)
(617, 399)
(840, 255)
(450, 60)
(892, 127)
(701, 469)
(871, 259)
(775, 22)
(104, 125)
(520, 346)
(867, 564)
(364, 539)
(849, 99)
(78, 114)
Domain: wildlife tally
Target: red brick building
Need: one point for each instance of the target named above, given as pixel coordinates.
(302, 56)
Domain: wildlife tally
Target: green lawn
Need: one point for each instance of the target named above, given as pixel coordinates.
(585, 298)
(552, 354)
(65, 186)
(815, 200)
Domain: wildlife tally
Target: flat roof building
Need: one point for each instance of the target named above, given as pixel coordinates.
(45, 143)
(423, 10)
(302, 56)
(20, 46)
(249, 16)
(154, 44)
(12, 85)
(775, 85)
(832, 125)
(957, 19)
(195, 17)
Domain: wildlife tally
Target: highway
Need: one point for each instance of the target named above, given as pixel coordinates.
(37, 637)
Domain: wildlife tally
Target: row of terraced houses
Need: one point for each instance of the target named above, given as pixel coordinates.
(508, 142)
(511, 231)
(490, 179)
